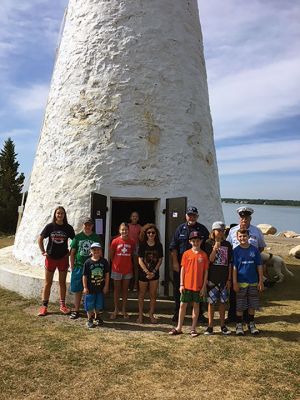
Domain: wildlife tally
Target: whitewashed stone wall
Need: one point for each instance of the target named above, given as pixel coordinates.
(128, 114)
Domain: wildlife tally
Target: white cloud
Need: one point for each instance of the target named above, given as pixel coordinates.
(29, 99)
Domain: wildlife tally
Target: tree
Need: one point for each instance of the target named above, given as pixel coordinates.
(11, 184)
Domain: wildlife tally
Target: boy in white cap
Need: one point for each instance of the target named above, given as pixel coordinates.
(95, 279)
(219, 252)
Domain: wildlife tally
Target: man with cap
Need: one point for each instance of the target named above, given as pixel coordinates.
(179, 244)
(80, 252)
(256, 238)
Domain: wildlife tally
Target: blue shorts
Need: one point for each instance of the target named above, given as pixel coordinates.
(76, 280)
(119, 277)
(94, 301)
(217, 293)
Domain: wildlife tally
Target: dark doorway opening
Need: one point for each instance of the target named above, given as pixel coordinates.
(121, 210)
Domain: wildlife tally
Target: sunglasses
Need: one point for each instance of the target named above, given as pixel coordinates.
(151, 233)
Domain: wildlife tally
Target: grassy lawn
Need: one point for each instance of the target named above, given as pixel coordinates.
(56, 358)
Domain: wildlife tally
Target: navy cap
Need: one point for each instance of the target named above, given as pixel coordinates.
(192, 210)
(88, 220)
(195, 235)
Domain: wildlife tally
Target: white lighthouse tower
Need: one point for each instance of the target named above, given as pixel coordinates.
(127, 124)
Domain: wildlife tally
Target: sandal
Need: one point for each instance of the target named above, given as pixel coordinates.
(194, 333)
(125, 316)
(113, 315)
(153, 319)
(175, 332)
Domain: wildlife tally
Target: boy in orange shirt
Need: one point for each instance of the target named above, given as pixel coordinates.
(193, 281)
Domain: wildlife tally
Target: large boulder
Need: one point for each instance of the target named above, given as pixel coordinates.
(267, 229)
(295, 251)
(290, 234)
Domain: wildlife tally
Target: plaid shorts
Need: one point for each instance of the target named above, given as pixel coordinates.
(247, 297)
(217, 293)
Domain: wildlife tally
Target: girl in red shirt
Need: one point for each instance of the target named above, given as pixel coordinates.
(121, 252)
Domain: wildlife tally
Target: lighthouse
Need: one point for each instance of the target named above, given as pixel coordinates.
(127, 125)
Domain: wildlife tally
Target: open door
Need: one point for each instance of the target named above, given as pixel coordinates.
(98, 213)
(175, 215)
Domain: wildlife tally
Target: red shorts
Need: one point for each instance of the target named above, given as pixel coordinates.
(62, 264)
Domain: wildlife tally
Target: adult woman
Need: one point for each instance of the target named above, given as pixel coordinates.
(150, 257)
(56, 256)
(134, 230)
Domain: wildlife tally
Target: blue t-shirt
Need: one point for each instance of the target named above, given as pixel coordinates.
(246, 261)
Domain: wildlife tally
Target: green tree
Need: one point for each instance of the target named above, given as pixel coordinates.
(11, 184)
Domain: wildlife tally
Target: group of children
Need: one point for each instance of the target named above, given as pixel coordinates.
(206, 275)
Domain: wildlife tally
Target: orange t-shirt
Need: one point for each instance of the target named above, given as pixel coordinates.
(194, 264)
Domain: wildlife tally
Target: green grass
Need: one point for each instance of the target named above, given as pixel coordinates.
(54, 358)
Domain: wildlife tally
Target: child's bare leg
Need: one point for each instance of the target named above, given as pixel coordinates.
(125, 285)
(195, 315)
(211, 312)
(90, 315)
(182, 312)
(77, 300)
(222, 313)
(142, 291)
(251, 312)
(153, 293)
(117, 287)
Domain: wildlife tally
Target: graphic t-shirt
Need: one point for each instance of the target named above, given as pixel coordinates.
(95, 272)
(218, 270)
(123, 250)
(58, 235)
(195, 265)
(150, 254)
(82, 244)
(245, 261)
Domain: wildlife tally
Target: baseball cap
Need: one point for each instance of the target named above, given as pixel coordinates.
(96, 245)
(245, 211)
(218, 225)
(88, 220)
(192, 210)
(195, 235)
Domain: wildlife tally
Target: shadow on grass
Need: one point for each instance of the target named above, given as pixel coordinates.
(292, 318)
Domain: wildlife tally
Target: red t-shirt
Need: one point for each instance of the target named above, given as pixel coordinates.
(194, 264)
(123, 250)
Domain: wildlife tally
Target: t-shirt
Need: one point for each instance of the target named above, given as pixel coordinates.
(245, 261)
(256, 237)
(57, 246)
(82, 244)
(194, 264)
(218, 270)
(134, 232)
(150, 254)
(123, 250)
(95, 272)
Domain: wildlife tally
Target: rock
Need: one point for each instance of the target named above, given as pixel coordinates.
(295, 251)
(267, 229)
(290, 234)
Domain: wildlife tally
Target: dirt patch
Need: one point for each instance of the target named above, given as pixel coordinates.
(6, 241)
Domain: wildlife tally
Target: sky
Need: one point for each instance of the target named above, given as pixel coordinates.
(252, 52)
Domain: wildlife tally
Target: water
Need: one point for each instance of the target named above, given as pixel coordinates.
(283, 218)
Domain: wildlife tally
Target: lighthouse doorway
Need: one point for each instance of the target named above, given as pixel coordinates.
(121, 210)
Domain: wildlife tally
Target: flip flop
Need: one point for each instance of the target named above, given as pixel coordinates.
(174, 332)
(153, 320)
(194, 333)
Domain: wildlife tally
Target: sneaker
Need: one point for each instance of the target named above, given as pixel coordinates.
(43, 311)
(65, 310)
(99, 321)
(209, 330)
(90, 324)
(239, 329)
(252, 328)
(74, 315)
(225, 330)
(202, 319)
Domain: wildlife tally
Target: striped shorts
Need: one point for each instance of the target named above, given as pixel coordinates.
(247, 297)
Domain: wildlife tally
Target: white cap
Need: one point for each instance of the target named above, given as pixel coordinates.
(218, 225)
(96, 245)
(244, 211)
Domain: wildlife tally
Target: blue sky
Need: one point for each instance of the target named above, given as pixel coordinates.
(252, 52)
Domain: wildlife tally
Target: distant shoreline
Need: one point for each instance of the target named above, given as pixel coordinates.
(289, 203)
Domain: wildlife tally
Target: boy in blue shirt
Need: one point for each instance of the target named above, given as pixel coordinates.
(247, 281)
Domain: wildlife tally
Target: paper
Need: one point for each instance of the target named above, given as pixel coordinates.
(99, 226)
